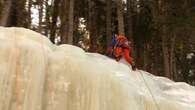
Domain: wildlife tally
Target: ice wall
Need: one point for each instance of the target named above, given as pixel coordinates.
(37, 75)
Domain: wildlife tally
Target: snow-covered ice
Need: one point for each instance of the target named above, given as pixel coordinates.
(38, 75)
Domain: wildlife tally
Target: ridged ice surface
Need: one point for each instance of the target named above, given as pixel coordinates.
(37, 75)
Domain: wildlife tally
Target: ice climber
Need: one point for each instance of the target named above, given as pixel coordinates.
(119, 48)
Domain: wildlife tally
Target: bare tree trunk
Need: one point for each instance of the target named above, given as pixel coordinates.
(75, 34)
(29, 13)
(5, 13)
(129, 33)
(71, 24)
(172, 56)
(166, 55)
(47, 16)
(92, 26)
(165, 37)
(64, 21)
(129, 21)
(166, 61)
(146, 56)
(108, 20)
(21, 14)
(40, 2)
(54, 20)
(120, 17)
(192, 39)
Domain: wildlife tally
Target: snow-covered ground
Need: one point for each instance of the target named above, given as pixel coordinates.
(37, 75)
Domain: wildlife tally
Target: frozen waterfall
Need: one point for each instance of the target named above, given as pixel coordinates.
(38, 75)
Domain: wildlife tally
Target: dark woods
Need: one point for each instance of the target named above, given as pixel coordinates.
(162, 32)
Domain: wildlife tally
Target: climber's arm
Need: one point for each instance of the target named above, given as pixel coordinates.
(127, 56)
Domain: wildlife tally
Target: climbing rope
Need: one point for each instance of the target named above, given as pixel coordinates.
(150, 91)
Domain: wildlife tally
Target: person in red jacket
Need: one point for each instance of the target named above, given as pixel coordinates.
(119, 48)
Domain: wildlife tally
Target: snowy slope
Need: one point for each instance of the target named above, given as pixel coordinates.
(37, 75)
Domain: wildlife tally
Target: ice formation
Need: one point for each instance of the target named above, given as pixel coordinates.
(38, 75)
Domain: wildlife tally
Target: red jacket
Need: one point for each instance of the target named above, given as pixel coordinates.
(122, 51)
(126, 55)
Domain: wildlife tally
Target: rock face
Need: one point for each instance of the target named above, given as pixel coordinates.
(37, 75)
